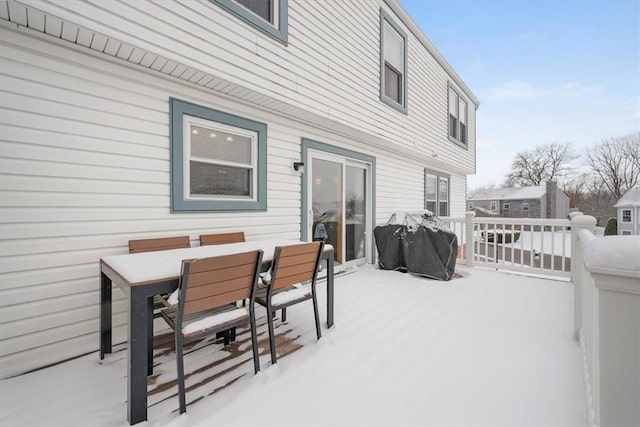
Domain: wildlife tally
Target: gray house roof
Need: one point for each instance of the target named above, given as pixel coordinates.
(522, 193)
(630, 198)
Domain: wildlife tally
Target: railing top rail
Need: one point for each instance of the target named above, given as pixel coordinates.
(523, 221)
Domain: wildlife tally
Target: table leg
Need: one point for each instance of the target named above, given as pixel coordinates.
(105, 315)
(330, 290)
(137, 361)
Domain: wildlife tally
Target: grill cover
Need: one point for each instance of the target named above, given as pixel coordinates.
(417, 242)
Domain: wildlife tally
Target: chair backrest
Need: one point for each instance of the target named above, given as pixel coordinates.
(159, 244)
(221, 238)
(295, 264)
(212, 282)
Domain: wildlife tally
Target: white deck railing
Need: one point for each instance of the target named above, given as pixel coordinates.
(541, 246)
(606, 277)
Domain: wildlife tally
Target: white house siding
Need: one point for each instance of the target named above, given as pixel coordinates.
(84, 167)
(330, 66)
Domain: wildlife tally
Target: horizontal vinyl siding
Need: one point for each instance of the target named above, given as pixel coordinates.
(330, 66)
(84, 167)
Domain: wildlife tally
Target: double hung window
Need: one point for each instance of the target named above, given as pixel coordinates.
(457, 117)
(626, 215)
(268, 16)
(393, 64)
(218, 161)
(436, 193)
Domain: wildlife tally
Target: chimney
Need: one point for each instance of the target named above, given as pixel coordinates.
(551, 198)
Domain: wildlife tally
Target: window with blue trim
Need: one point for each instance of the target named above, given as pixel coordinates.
(218, 160)
(268, 16)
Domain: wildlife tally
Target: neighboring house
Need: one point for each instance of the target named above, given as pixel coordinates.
(629, 212)
(542, 201)
(129, 120)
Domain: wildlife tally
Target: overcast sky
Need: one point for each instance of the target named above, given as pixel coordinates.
(544, 71)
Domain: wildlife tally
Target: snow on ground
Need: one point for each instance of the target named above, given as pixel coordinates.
(544, 242)
(486, 349)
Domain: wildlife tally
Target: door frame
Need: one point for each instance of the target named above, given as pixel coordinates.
(309, 144)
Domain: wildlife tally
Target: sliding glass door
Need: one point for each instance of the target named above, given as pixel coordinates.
(339, 197)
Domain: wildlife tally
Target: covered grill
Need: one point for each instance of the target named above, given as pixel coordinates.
(417, 242)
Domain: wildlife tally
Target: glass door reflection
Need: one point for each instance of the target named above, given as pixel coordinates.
(327, 203)
(355, 212)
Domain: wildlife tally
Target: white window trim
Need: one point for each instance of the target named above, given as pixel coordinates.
(215, 126)
(525, 206)
(626, 233)
(275, 10)
(493, 206)
(630, 216)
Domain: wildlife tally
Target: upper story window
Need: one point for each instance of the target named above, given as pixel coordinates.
(393, 64)
(525, 206)
(436, 193)
(626, 215)
(471, 206)
(494, 206)
(268, 16)
(457, 117)
(218, 161)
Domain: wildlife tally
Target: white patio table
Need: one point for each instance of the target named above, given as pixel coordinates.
(143, 275)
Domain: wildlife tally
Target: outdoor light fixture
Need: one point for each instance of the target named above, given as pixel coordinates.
(298, 166)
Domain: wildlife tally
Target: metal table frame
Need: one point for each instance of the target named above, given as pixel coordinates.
(140, 327)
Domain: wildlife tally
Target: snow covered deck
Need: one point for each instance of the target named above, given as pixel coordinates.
(486, 348)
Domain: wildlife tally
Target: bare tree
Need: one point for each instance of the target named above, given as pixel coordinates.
(549, 162)
(575, 187)
(616, 162)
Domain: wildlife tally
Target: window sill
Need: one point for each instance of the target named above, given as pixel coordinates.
(393, 104)
(459, 144)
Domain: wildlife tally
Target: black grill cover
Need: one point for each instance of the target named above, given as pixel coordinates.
(423, 250)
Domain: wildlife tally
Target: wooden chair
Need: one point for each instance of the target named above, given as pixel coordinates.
(208, 290)
(292, 265)
(221, 238)
(158, 244)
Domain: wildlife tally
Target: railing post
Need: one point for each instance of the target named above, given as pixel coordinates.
(618, 326)
(578, 222)
(469, 237)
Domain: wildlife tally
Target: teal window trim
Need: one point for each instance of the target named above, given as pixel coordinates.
(309, 144)
(179, 201)
(438, 175)
(279, 32)
(402, 107)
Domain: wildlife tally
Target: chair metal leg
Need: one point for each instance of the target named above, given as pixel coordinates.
(284, 314)
(272, 339)
(315, 312)
(232, 334)
(254, 344)
(180, 365)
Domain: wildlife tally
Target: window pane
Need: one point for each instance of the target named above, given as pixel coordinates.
(216, 180)
(262, 8)
(453, 103)
(432, 186)
(392, 84)
(431, 206)
(453, 126)
(463, 112)
(444, 209)
(443, 189)
(393, 44)
(215, 145)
